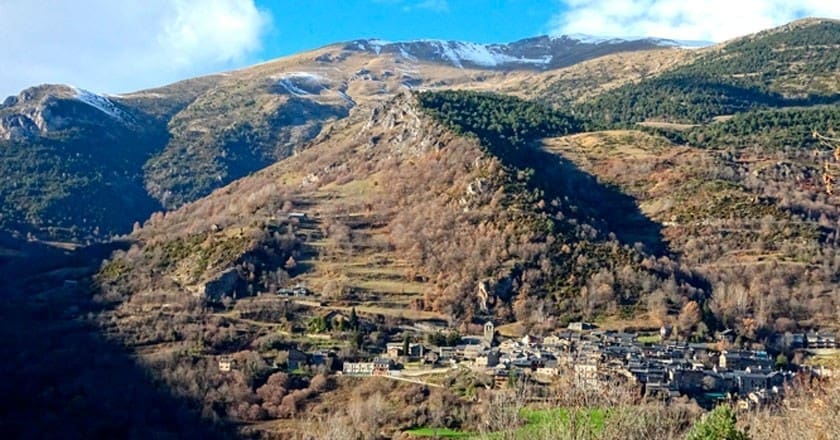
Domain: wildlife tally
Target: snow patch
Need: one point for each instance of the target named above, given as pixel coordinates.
(682, 44)
(458, 52)
(407, 55)
(100, 103)
(585, 38)
(377, 45)
(135, 95)
(347, 98)
(300, 83)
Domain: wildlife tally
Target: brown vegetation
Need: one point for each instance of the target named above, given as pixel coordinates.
(755, 224)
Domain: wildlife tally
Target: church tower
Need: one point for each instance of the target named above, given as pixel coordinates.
(489, 332)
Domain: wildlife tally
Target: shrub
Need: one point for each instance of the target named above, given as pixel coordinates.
(719, 424)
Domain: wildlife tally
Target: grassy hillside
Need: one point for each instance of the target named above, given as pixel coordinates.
(791, 66)
(581, 82)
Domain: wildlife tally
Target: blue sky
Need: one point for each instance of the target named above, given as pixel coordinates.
(296, 27)
(114, 46)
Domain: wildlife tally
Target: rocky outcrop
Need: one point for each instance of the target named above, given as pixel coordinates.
(46, 109)
(17, 127)
(399, 124)
(223, 285)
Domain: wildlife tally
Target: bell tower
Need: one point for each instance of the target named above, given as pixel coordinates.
(489, 332)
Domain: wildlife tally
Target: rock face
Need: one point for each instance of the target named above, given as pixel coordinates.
(17, 127)
(223, 285)
(47, 109)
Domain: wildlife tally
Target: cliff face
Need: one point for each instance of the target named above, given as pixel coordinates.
(47, 110)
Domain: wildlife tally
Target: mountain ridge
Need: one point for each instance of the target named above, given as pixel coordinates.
(535, 53)
(202, 133)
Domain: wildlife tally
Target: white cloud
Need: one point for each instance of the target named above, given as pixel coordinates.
(710, 20)
(119, 46)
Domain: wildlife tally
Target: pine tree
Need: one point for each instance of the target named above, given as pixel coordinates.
(354, 319)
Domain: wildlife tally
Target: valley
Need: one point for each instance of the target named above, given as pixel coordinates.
(238, 246)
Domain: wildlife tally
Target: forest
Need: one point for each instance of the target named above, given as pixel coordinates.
(780, 129)
(775, 70)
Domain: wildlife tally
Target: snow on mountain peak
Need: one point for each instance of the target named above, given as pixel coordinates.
(532, 53)
(100, 103)
(586, 38)
(483, 55)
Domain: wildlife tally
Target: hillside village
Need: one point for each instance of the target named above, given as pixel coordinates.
(661, 366)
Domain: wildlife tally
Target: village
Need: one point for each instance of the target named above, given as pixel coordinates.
(661, 367)
(661, 370)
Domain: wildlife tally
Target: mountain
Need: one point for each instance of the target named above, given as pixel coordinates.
(369, 193)
(795, 65)
(82, 167)
(458, 207)
(414, 213)
(358, 189)
(539, 53)
(70, 163)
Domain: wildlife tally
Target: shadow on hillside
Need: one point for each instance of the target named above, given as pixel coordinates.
(63, 379)
(589, 201)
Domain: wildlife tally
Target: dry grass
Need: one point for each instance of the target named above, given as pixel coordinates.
(668, 125)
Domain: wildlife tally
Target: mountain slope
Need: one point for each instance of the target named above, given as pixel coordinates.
(179, 142)
(69, 163)
(442, 209)
(539, 53)
(756, 223)
(793, 65)
(390, 220)
(396, 197)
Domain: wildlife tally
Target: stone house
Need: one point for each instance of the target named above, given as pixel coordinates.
(686, 381)
(358, 368)
(225, 363)
(489, 358)
(395, 350)
(447, 353)
(381, 367)
(549, 369)
(470, 351)
(580, 326)
(820, 340)
(742, 359)
(552, 341)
